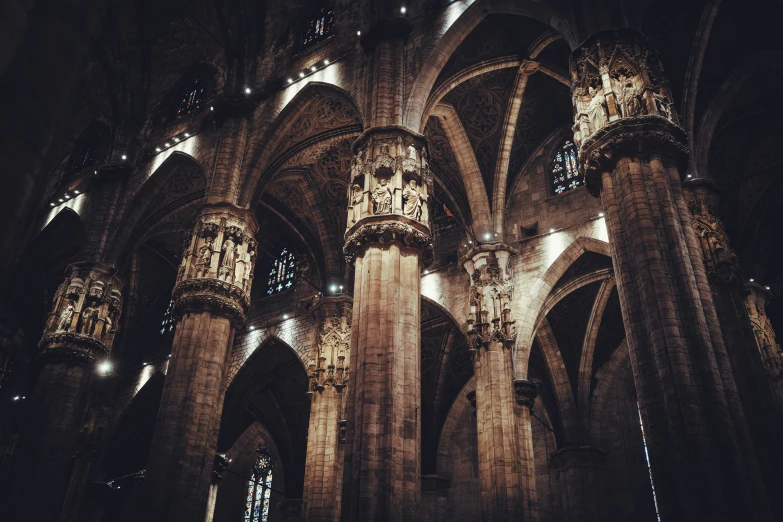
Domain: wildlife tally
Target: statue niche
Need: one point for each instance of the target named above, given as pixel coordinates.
(413, 200)
(382, 197)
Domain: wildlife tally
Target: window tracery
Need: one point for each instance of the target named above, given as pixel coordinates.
(565, 169)
(259, 488)
(191, 97)
(282, 274)
(168, 322)
(320, 22)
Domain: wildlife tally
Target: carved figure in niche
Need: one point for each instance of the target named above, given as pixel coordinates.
(204, 258)
(96, 290)
(65, 318)
(107, 324)
(411, 152)
(357, 164)
(596, 109)
(229, 258)
(663, 105)
(629, 98)
(89, 318)
(385, 150)
(413, 201)
(382, 196)
(357, 195)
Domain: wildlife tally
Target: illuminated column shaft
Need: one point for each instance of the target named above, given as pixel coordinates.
(78, 333)
(210, 299)
(702, 459)
(505, 459)
(326, 435)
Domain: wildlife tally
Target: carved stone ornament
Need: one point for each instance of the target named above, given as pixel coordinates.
(617, 75)
(330, 364)
(771, 354)
(525, 392)
(216, 271)
(383, 230)
(390, 175)
(630, 136)
(82, 324)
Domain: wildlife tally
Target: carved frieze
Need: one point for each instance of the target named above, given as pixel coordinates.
(216, 271)
(390, 176)
(380, 230)
(83, 320)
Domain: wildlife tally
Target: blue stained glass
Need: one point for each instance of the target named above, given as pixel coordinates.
(649, 468)
(282, 273)
(259, 488)
(565, 169)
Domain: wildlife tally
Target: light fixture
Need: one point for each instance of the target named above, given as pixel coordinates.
(252, 328)
(301, 75)
(75, 191)
(16, 398)
(187, 135)
(688, 176)
(124, 157)
(600, 214)
(96, 171)
(176, 140)
(23, 397)
(285, 316)
(487, 236)
(247, 90)
(766, 287)
(333, 288)
(61, 200)
(212, 108)
(326, 62)
(290, 80)
(167, 145)
(470, 242)
(426, 272)
(312, 68)
(104, 367)
(403, 10)
(551, 230)
(358, 33)
(52, 204)
(157, 149)
(341, 288)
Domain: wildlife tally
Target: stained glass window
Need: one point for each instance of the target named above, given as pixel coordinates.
(319, 25)
(168, 322)
(649, 468)
(565, 169)
(281, 275)
(192, 97)
(259, 487)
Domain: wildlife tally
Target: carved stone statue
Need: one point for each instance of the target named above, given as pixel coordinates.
(413, 201)
(663, 105)
(629, 99)
(65, 318)
(596, 109)
(89, 319)
(204, 258)
(356, 194)
(382, 196)
(228, 265)
(411, 152)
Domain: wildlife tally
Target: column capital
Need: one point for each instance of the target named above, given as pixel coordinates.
(525, 392)
(622, 100)
(491, 291)
(216, 272)
(83, 321)
(382, 230)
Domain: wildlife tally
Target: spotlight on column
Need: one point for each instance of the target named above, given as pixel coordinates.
(176, 140)
(358, 33)
(326, 62)
(689, 176)
(487, 236)
(60, 200)
(75, 191)
(312, 68)
(751, 279)
(285, 316)
(426, 272)
(403, 10)
(600, 214)
(247, 90)
(290, 80)
(251, 328)
(157, 149)
(212, 108)
(104, 367)
(551, 230)
(301, 75)
(333, 289)
(51, 204)
(187, 135)
(124, 157)
(766, 287)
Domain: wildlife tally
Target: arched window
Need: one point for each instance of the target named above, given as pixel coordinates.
(282, 273)
(565, 169)
(259, 487)
(191, 96)
(320, 21)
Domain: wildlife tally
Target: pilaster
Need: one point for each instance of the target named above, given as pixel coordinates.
(210, 301)
(579, 471)
(633, 154)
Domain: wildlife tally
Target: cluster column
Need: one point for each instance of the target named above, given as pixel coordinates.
(633, 153)
(505, 459)
(210, 301)
(78, 335)
(326, 434)
(389, 242)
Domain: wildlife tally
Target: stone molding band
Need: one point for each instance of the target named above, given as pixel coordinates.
(213, 295)
(635, 135)
(71, 348)
(385, 230)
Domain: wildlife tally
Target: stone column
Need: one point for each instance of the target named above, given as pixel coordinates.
(633, 154)
(389, 242)
(525, 393)
(328, 379)
(78, 335)
(578, 470)
(219, 467)
(210, 300)
(492, 332)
